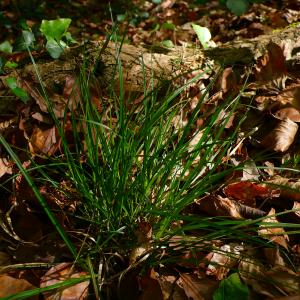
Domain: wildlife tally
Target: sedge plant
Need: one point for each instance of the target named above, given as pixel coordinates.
(131, 162)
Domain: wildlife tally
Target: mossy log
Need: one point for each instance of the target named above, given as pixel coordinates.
(140, 64)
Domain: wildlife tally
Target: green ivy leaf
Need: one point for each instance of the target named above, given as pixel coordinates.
(19, 92)
(54, 48)
(232, 288)
(6, 47)
(55, 29)
(24, 41)
(238, 7)
(203, 34)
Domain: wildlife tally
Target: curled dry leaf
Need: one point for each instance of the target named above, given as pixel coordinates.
(150, 287)
(290, 113)
(72, 91)
(5, 166)
(274, 257)
(285, 280)
(144, 236)
(273, 282)
(282, 136)
(223, 259)
(196, 287)
(289, 189)
(170, 288)
(217, 206)
(291, 96)
(250, 171)
(10, 286)
(252, 271)
(246, 192)
(44, 141)
(274, 234)
(271, 66)
(59, 274)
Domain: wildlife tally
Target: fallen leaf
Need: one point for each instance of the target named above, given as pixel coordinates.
(273, 256)
(290, 113)
(290, 96)
(271, 66)
(253, 274)
(60, 273)
(289, 188)
(228, 83)
(72, 91)
(144, 236)
(5, 166)
(246, 192)
(10, 286)
(274, 234)
(281, 137)
(170, 288)
(197, 288)
(150, 287)
(223, 259)
(44, 141)
(217, 206)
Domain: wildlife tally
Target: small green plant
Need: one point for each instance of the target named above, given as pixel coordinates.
(232, 288)
(56, 32)
(17, 91)
(203, 34)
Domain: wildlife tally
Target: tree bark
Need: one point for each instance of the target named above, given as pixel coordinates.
(140, 65)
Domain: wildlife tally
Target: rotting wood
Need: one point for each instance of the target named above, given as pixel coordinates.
(140, 64)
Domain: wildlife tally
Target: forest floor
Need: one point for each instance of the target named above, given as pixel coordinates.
(185, 189)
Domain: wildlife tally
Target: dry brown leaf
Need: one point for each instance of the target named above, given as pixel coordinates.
(144, 236)
(289, 189)
(217, 206)
(285, 280)
(223, 259)
(72, 91)
(291, 96)
(290, 113)
(273, 256)
(5, 166)
(60, 273)
(246, 192)
(150, 287)
(44, 141)
(271, 66)
(274, 234)
(252, 272)
(281, 137)
(198, 288)
(10, 285)
(170, 288)
(228, 82)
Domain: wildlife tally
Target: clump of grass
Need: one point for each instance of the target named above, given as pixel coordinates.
(130, 163)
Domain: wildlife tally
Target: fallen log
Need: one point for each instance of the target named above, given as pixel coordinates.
(140, 64)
